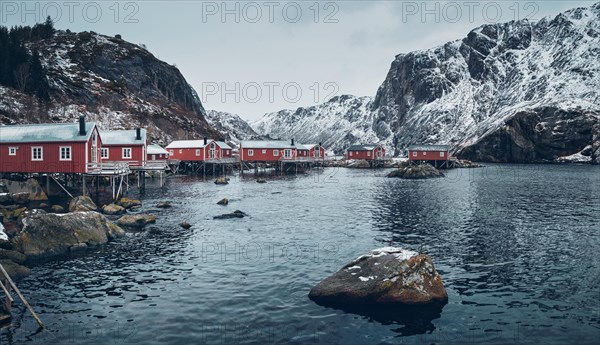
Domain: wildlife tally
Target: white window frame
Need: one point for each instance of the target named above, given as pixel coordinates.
(264, 151)
(126, 149)
(33, 149)
(198, 152)
(368, 153)
(414, 153)
(12, 151)
(102, 151)
(276, 153)
(424, 153)
(67, 149)
(287, 153)
(172, 153)
(442, 154)
(350, 153)
(250, 152)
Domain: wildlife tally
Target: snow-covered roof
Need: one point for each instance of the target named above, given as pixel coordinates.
(48, 132)
(308, 146)
(267, 144)
(122, 137)
(429, 148)
(156, 150)
(363, 147)
(223, 145)
(185, 144)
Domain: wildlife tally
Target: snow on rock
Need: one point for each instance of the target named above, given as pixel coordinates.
(231, 126)
(384, 276)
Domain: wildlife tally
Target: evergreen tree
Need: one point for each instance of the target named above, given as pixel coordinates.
(38, 82)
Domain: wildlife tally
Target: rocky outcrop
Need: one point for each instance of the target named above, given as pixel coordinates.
(129, 203)
(163, 204)
(222, 180)
(15, 271)
(48, 234)
(231, 126)
(416, 172)
(358, 164)
(389, 276)
(23, 191)
(83, 204)
(136, 220)
(113, 209)
(223, 202)
(234, 214)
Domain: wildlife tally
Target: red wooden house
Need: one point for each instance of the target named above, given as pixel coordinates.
(267, 150)
(311, 151)
(369, 152)
(124, 146)
(429, 153)
(198, 150)
(50, 148)
(156, 153)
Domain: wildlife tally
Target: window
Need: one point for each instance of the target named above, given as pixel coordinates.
(368, 153)
(126, 153)
(65, 153)
(104, 153)
(414, 153)
(275, 152)
(12, 151)
(287, 153)
(153, 157)
(264, 152)
(350, 153)
(197, 152)
(425, 153)
(442, 154)
(37, 153)
(172, 152)
(250, 152)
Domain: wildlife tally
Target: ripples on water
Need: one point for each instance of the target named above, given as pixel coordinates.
(517, 247)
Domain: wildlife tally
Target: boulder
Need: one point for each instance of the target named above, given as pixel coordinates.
(222, 180)
(223, 202)
(234, 214)
(4, 242)
(57, 209)
(164, 204)
(49, 234)
(359, 164)
(129, 203)
(385, 276)
(31, 187)
(12, 255)
(15, 270)
(83, 204)
(113, 209)
(185, 225)
(13, 213)
(261, 180)
(136, 220)
(20, 198)
(421, 171)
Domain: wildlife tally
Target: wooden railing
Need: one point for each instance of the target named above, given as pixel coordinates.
(108, 168)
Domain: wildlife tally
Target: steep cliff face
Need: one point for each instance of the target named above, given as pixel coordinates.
(485, 95)
(111, 81)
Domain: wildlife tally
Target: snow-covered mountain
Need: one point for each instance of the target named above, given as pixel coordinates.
(111, 81)
(231, 126)
(513, 92)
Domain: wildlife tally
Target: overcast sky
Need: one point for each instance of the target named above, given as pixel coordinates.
(250, 58)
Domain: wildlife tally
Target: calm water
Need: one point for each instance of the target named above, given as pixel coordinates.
(517, 247)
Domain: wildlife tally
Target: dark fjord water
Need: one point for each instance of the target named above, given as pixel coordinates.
(517, 247)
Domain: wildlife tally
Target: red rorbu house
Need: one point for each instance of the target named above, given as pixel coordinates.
(267, 150)
(198, 150)
(429, 153)
(156, 153)
(369, 152)
(311, 151)
(124, 146)
(50, 148)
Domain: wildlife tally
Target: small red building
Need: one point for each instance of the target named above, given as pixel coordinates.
(267, 150)
(49, 148)
(369, 152)
(429, 153)
(311, 151)
(198, 150)
(124, 146)
(156, 153)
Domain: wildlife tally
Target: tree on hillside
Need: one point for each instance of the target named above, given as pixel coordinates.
(38, 83)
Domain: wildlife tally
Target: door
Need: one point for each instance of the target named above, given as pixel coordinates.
(94, 148)
(287, 153)
(379, 153)
(211, 153)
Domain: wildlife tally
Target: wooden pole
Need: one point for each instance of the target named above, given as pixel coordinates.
(12, 284)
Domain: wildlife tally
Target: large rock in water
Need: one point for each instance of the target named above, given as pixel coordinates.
(385, 276)
(82, 203)
(136, 220)
(421, 171)
(359, 164)
(49, 234)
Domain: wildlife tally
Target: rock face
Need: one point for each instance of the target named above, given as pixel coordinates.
(416, 172)
(223, 202)
(136, 220)
(120, 84)
(231, 126)
(82, 203)
(48, 234)
(385, 276)
(512, 92)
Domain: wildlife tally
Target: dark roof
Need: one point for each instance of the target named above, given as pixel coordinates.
(363, 147)
(429, 148)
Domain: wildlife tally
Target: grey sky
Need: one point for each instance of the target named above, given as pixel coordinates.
(250, 58)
